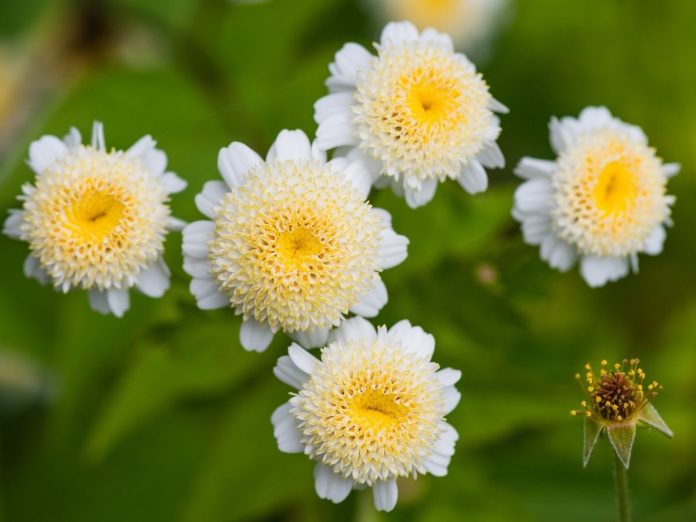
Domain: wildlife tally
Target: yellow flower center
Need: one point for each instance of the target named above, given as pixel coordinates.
(616, 188)
(294, 246)
(95, 219)
(431, 98)
(375, 411)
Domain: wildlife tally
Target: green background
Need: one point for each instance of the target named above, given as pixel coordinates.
(162, 416)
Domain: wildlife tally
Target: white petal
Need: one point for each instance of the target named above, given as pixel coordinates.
(44, 152)
(34, 270)
(195, 237)
(535, 227)
(491, 156)
(172, 183)
(496, 106)
(290, 145)
(371, 302)
(119, 300)
(285, 430)
(311, 338)
(235, 161)
(653, 245)
(255, 336)
(353, 328)
(336, 103)
(473, 178)
(671, 169)
(393, 248)
(530, 168)
(357, 174)
(209, 198)
(452, 397)
(597, 271)
(98, 141)
(12, 224)
(534, 196)
(73, 138)
(286, 371)
(197, 267)
(176, 224)
(331, 486)
(558, 253)
(304, 360)
(155, 161)
(385, 494)
(563, 132)
(141, 147)
(207, 294)
(336, 131)
(441, 39)
(153, 281)
(98, 301)
(348, 61)
(448, 376)
(399, 32)
(412, 338)
(418, 197)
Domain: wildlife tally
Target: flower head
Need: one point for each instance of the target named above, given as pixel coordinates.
(370, 410)
(618, 398)
(469, 22)
(416, 114)
(292, 243)
(603, 200)
(96, 219)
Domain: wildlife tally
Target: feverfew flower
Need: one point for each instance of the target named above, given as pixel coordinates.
(469, 22)
(370, 410)
(96, 219)
(291, 244)
(602, 201)
(416, 114)
(618, 400)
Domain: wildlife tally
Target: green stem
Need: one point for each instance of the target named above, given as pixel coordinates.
(365, 510)
(621, 483)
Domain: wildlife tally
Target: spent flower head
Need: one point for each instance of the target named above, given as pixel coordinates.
(618, 399)
(96, 219)
(369, 410)
(416, 114)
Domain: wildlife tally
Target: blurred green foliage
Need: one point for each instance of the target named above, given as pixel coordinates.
(161, 416)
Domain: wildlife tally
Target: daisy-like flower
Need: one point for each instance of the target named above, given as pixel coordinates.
(618, 400)
(291, 243)
(370, 410)
(602, 201)
(416, 114)
(469, 22)
(97, 219)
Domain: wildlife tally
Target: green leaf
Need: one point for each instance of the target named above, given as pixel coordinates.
(650, 417)
(622, 437)
(591, 431)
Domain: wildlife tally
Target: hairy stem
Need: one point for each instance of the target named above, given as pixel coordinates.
(621, 483)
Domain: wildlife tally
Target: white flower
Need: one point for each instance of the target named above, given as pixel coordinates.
(469, 22)
(370, 410)
(603, 200)
(416, 114)
(95, 219)
(291, 244)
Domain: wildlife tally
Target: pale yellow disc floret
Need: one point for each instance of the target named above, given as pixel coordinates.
(95, 219)
(423, 111)
(294, 246)
(609, 194)
(371, 410)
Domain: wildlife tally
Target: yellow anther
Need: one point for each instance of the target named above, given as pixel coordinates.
(604, 362)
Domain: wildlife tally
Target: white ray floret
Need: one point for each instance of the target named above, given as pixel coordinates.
(97, 219)
(371, 409)
(416, 114)
(291, 244)
(602, 201)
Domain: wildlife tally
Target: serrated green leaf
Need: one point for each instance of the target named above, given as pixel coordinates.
(591, 432)
(622, 437)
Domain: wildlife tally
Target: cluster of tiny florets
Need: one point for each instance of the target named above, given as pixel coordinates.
(616, 393)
